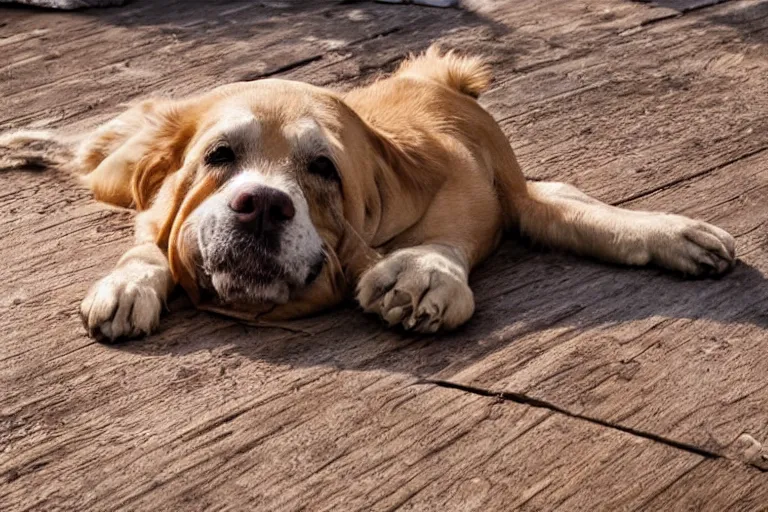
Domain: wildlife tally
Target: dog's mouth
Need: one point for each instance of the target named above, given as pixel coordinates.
(315, 270)
(253, 278)
(247, 270)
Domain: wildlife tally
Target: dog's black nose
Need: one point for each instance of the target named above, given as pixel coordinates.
(262, 209)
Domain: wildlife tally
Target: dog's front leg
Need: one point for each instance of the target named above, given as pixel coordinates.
(423, 288)
(127, 302)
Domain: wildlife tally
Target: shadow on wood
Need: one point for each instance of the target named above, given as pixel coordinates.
(748, 19)
(317, 20)
(520, 294)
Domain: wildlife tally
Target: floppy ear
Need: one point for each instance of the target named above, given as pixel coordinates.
(186, 197)
(163, 155)
(126, 161)
(376, 167)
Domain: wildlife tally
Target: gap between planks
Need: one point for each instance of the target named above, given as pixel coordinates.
(689, 177)
(523, 399)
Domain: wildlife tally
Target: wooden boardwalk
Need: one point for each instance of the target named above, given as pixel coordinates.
(577, 386)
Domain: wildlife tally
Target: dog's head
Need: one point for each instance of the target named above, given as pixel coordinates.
(266, 208)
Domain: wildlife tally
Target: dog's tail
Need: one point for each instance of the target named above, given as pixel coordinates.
(468, 75)
(35, 150)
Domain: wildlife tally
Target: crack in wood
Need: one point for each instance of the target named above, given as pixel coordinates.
(688, 177)
(309, 60)
(282, 69)
(684, 6)
(654, 21)
(523, 399)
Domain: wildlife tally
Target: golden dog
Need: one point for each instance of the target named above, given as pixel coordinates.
(273, 199)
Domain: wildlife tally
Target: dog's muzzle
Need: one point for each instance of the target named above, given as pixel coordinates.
(259, 247)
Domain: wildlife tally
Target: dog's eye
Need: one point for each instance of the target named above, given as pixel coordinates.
(323, 167)
(220, 155)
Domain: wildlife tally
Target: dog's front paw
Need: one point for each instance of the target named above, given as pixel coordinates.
(125, 304)
(422, 290)
(693, 247)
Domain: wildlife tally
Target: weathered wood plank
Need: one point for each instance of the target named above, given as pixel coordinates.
(379, 443)
(626, 111)
(174, 47)
(196, 45)
(702, 489)
(684, 5)
(679, 359)
(218, 413)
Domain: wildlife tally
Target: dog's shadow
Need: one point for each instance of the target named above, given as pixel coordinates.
(527, 298)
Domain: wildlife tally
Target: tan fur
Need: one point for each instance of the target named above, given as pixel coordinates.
(467, 75)
(430, 183)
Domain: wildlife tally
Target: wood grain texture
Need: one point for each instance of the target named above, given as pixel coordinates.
(377, 443)
(683, 360)
(624, 389)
